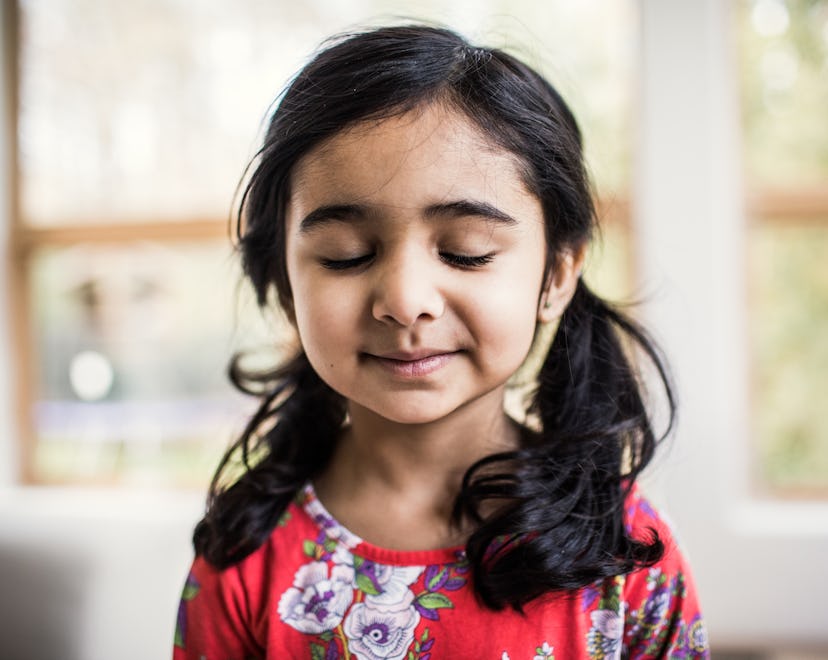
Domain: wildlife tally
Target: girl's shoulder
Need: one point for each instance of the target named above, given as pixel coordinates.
(645, 522)
(222, 609)
(657, 606)
(642, 517)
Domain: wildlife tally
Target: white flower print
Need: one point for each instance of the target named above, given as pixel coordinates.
(545, 652)
(394, 583)
(605, 634)
(317, 602)
(380, 633)
(608, 623)
(652, 577)
(542, 652)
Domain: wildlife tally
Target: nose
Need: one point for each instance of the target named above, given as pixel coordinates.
(407, 290)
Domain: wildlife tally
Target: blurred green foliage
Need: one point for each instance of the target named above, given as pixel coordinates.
(783, 57)
(783, 52)
(789, 328)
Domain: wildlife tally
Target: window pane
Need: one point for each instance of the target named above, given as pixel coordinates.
(783, 67)
(784, 73)
(149, 109)
(789, 327)
(132, 346)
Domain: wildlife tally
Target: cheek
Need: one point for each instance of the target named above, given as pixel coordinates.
(507, 317)
(323, 317)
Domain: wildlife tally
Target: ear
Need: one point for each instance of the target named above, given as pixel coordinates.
(560, 285)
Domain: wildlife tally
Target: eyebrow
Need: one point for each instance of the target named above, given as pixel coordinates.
(470, 208)
(332, 213)
(354, 212)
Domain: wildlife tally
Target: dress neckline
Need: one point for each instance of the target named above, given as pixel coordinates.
(345, 538)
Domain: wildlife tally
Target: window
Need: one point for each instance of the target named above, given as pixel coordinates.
(135, 121)
(784, 60)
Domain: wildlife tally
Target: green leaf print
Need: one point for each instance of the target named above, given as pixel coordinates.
(434, 581)
(284, 519)
(365, 585)
(611, 597)
(434, 601)
(309, 548)
(190, 591)
(317, 652)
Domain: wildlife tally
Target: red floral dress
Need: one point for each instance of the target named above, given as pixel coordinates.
(315, 590)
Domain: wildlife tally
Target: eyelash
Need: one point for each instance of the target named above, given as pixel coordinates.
(345, 264)
(466, 261)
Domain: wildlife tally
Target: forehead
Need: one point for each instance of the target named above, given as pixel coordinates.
(432, 151)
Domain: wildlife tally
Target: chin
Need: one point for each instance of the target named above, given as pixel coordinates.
(409, 415)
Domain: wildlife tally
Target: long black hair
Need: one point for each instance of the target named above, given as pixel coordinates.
(561, 494)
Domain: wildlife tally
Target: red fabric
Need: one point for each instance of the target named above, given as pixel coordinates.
(314, 590)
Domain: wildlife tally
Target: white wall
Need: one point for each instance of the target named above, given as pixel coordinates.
(91, 575)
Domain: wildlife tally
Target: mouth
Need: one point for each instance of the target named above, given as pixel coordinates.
(414, 364)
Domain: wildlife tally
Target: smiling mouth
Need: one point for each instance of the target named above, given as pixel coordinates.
(413, 365)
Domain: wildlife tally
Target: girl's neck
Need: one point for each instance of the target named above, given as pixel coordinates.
(439, 451)
(382, 472)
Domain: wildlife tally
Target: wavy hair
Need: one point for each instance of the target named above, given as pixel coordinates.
(561, 494)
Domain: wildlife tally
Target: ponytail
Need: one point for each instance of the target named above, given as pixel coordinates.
(303, 416)
(561, 525)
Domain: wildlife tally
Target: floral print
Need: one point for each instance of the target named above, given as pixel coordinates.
(191, 588)
(316, 590)
(542, 652)
(376, 632)
(381, 622)
(317, 601)
(604, 637)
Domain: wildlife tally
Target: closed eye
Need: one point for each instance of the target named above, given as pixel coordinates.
(345, 264)
(467, 260)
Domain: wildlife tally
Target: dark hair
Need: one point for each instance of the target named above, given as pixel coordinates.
(562, 492)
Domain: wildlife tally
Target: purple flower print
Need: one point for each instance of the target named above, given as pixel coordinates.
(379, 633)
(191, 589)
(317, 602)
(604, 638)
(698, 635)
(656, 607)
(590, 596)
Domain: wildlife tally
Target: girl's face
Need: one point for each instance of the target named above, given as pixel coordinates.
(415, 256)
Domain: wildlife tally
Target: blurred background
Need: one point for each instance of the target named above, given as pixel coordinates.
(124, 129)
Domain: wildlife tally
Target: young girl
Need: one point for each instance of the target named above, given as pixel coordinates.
(421, 209)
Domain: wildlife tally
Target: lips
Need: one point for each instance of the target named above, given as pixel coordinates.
(415, 364)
